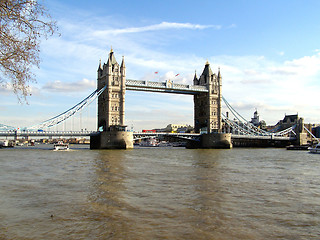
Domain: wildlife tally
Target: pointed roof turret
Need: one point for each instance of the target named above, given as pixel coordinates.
(195, 78)
(122, 63)
(100, 67)
(219, 75)
(207, 69)
(111, 60)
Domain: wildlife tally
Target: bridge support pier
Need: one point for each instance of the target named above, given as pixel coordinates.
(216, 140)
(302, 139)
(213, 141)
(111, 140)
(16, 135)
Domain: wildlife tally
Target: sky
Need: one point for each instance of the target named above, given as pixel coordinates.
(268, 53)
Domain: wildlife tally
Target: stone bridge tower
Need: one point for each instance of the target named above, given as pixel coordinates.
(111, 103)
(207, 106)
(111, 130)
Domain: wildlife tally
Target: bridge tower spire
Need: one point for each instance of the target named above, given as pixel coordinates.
(195, 79)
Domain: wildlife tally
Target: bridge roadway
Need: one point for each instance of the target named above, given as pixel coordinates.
(45, 133)
(271, 137)
(85, 133)
(136, 135)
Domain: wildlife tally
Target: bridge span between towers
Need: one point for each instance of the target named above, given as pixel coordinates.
(165, 87)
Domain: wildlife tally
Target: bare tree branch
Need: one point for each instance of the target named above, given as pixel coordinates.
(22, 25)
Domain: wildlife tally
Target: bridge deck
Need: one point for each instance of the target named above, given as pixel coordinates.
(136, 135)
(45, 133)
(236, 136)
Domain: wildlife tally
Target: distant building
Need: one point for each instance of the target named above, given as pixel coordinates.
(288, 121)
(315, 130)
(256, 121)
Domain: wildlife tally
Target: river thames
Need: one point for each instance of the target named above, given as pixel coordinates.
(160, 193)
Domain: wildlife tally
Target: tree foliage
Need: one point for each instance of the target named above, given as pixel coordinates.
(22, 25)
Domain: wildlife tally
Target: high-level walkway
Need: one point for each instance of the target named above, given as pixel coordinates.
(166, 87)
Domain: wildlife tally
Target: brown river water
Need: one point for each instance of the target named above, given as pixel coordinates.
(159, 193)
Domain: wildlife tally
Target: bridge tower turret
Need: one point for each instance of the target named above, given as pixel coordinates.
(111, 101)
(207, 106)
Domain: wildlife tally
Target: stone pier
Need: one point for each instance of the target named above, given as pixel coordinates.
(111, 140)
(216, 140)
(211, 140)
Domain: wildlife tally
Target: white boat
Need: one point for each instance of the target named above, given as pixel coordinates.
(6, 144)
(151, 142)
(165, 144)
(315, 149)
(61, 146)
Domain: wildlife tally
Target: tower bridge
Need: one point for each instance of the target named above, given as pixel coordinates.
(208, 118)
(206, 91)
(213, 129)
(111, 103)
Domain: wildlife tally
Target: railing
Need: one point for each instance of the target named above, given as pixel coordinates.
(44, 133)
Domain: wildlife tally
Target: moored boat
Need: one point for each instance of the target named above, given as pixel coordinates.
(61, 146)
(165, 144)
(315, 149)
(151, 142)
(6, 144)
(297, 147)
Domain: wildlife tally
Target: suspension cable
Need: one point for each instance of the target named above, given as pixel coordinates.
(247, 123)
(70, 112)
(252, 128)
(6, 127)
(311, 133)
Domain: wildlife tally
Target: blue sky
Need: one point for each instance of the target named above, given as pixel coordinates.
(268, 53)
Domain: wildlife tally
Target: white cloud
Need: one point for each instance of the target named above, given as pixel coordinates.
(155, 27)
(249, 82)
(275, 88)
(232, 26)
(80, 86)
